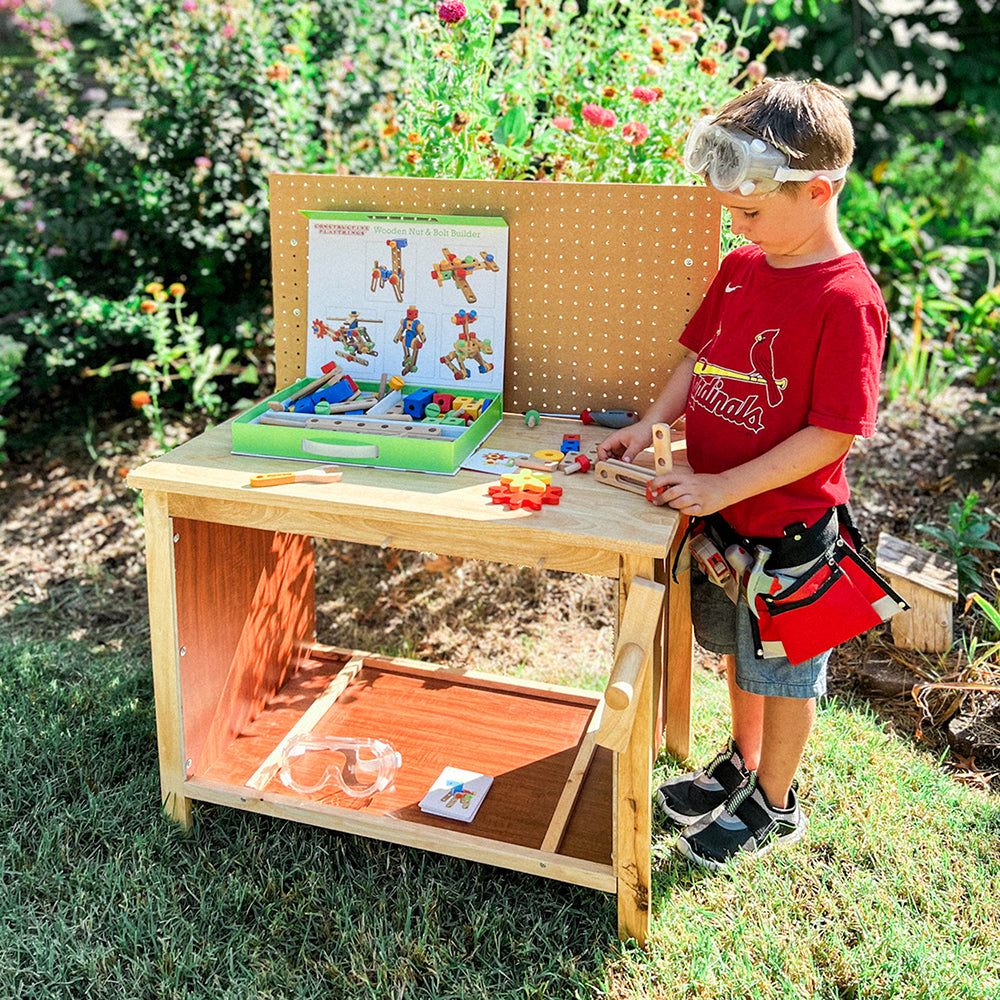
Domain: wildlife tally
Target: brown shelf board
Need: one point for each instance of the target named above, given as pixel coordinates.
(525, 737)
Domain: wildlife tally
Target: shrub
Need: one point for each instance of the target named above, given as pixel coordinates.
(222, 94)
(549, 91)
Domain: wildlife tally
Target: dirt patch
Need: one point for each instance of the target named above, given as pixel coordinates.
(71, 558)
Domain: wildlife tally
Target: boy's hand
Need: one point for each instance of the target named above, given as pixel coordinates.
(692, 493)
(626, 443)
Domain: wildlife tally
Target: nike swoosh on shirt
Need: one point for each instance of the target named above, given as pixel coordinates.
(732, 288)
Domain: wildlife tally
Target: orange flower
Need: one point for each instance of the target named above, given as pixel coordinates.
(177, 289)
(141, 399)
(148, 307)
(278, 72)
(709, 66)
(413, 157)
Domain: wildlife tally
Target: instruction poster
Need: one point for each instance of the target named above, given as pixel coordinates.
(420, 297)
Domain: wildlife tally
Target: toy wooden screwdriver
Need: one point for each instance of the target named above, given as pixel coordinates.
(323, 474)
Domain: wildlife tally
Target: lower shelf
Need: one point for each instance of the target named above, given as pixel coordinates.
(525, 736)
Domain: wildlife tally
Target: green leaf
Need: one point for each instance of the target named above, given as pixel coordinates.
(512, 129)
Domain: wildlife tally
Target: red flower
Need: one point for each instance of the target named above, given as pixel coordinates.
(646, 94)
(635, 133)
(451, 11)
(596, 115)
(709, 66)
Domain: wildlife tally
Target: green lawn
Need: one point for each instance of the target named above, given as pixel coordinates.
(894, 894)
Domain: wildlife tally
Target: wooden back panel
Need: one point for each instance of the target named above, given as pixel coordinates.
(603, 277)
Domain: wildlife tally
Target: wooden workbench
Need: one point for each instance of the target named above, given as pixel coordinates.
(237, 664)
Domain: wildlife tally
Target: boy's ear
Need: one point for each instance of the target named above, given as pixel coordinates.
(821, 190)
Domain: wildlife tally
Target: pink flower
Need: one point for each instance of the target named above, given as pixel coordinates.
(561, 121)
(190, 6)
(228, 30)
(779, 37)
(635, 133)
(451, 11)
(601, 117)
(757, 70)
(742, 53)
(645, 94)
(202, 162)
(119, 236)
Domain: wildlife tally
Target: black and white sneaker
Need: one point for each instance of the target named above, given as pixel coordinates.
(746, 824)
(686, 798)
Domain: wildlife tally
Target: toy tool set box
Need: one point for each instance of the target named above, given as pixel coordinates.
(418, 303)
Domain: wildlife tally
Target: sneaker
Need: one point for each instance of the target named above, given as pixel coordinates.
(746, 824)
(687, 798)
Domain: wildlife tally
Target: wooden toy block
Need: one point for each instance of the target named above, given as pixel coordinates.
(623, 475)
(415, 404)
(663, 460)
(444, 400)
(929, 584)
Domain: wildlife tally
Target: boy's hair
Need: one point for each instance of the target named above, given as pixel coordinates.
(807, 120)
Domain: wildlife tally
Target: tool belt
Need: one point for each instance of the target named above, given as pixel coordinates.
(834, 595)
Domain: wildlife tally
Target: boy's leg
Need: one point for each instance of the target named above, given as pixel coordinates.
(747, 716)
(787, 725)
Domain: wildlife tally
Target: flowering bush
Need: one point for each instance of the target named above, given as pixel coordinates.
(542, 89)
(221, 93)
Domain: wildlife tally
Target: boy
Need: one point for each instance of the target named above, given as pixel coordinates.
(781, 372)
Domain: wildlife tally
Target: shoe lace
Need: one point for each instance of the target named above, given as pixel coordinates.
(741, 794)
(722, 757)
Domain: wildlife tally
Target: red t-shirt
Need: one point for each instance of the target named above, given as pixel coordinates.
(780, 349)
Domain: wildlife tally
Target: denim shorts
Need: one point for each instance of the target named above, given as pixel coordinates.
(724, 628)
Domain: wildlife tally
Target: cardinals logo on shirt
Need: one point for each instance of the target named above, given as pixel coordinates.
(711, 390)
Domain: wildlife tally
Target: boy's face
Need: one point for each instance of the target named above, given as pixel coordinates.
(784, 224)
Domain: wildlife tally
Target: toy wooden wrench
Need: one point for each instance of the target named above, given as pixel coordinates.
(320, 474)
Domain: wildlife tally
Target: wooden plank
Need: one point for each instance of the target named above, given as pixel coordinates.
(627, 476)
(163, 640)
(311, 717)
(679, 661)
(633, 821)
(458, 844)
(923, 568)
(245, 610)
(509, 543)
(574, 782)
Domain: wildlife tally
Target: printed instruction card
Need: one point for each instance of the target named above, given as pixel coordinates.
(424, 298)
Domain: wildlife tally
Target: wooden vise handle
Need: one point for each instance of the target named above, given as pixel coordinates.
(633, 657)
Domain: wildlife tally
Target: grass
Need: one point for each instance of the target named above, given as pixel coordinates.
(895, 893)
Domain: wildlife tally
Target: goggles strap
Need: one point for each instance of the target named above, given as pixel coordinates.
(792, 174)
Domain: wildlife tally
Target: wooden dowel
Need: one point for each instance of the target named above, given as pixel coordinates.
(574, 783)
(311, 717)
(621, 688)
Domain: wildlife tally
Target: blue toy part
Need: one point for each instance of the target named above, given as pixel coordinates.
(613, 419)
(416, 402)
(336, 393)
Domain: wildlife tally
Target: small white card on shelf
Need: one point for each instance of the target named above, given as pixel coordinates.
(456, 794)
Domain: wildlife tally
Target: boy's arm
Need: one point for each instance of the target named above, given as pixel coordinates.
(629, 441)
(701, 494)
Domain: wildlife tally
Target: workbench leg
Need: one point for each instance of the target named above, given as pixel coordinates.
(679, 659)
(633, 795)
(166, 671)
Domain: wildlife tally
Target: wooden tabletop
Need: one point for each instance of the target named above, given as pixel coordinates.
(592, 527)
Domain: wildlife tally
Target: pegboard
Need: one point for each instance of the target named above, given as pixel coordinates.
(603, 277)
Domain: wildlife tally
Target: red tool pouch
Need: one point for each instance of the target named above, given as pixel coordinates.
(842, 597)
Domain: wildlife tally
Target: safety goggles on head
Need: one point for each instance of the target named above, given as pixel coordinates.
(359, 767)
(731, 160)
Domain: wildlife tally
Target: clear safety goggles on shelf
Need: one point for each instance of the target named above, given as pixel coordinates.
(359, 767)
(731, 160)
